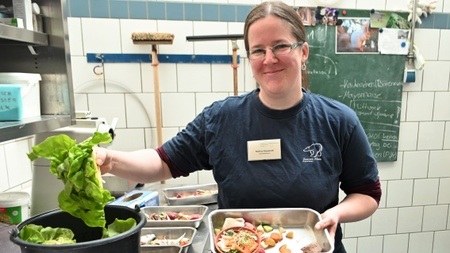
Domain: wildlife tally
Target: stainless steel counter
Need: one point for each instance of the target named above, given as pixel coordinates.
(201, 243)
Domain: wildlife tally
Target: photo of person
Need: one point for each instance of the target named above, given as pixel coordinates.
(356, 36)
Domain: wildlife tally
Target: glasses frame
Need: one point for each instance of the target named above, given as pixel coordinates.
(263, 56)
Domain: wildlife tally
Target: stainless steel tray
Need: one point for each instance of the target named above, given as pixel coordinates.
(170, 233)
(190, 209)
(161, 249)
(299, 220)
(170, 195)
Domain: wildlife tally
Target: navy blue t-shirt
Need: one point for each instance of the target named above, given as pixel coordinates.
(323, 147)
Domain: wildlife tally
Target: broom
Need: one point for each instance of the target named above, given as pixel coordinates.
(154, 39)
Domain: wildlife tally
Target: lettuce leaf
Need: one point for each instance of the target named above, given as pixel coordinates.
(119, 226)
(46, 235)
(83, 195)
(58, 236)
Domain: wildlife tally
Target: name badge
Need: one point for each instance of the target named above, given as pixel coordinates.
(264, 150)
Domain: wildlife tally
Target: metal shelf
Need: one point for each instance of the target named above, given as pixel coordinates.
(44, 53)
(30, 126)
(14, 35)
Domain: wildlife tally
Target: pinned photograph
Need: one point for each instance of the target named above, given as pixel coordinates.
(326, 15)
(386, 19)
(307, 16)
(355, 35)
(379, 19)
(397, 22)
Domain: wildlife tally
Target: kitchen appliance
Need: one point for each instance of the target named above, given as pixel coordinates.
(45, 185)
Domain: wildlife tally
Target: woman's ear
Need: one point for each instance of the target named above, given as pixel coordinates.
(305, 52)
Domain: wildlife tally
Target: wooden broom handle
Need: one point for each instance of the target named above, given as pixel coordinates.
(155, 63)
(235, 66)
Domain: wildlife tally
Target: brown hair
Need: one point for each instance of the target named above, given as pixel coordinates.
(286, 13)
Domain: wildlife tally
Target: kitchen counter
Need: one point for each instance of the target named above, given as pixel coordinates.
(6, 246)
(200, 244)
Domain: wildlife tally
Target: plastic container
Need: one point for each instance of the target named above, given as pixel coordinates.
(11, 107)
(30, 92)
(88, 238)
(14, 207)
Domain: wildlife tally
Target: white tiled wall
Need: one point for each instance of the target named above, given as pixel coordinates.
(15, 167)
(414, 213)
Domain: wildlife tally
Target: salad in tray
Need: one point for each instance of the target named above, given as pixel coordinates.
(239, 236)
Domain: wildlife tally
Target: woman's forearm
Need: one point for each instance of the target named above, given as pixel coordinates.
(355, 207)
(144, 166)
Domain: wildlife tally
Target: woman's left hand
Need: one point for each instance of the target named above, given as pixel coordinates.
(329, 221)
(354, 207)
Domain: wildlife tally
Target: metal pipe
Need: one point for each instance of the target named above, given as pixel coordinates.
(233, 38)
(413, 25)
(215, 37)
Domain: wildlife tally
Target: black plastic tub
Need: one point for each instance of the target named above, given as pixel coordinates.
(88, 238)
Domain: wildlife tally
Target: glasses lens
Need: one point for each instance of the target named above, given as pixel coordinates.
(277, 50)
(256, 54)
(281, 49)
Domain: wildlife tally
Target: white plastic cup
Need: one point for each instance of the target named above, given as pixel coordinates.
(14, 207)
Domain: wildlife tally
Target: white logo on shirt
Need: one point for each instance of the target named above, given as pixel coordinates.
(315, 152)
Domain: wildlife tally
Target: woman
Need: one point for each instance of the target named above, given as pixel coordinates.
(277, 146)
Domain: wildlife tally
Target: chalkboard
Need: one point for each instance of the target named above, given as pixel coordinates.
(370, 83)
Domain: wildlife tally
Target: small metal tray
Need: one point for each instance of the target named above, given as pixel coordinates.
(161, 249)
(170, 233)
(170, 195)
(300, 220)
(191, 209)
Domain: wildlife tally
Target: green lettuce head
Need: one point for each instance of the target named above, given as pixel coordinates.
(83, 195)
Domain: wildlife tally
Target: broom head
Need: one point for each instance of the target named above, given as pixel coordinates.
(152, 38)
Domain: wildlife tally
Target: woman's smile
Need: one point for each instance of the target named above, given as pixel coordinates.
(272, 72)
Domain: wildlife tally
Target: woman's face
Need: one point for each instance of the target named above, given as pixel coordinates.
(277, 76)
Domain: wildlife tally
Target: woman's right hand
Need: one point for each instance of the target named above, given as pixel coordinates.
(103, 159)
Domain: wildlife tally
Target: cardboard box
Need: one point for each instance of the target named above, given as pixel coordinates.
(23, 9)
(30, 91)
(16, 22)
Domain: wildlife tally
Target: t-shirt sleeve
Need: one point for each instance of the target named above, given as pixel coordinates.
(187, 151)
(371, 189)
(359, 167)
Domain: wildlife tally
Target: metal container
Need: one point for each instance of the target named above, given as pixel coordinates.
(188, 210)
(171, 195)
(161, 249)
(170, 233)
(299, 220)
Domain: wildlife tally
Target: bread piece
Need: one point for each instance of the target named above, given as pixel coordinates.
(233, 222)
(312, 248)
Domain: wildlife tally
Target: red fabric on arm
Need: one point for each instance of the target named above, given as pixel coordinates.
(371, 189)
(173, 169)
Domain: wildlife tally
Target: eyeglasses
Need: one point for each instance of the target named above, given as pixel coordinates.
(277, 50)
